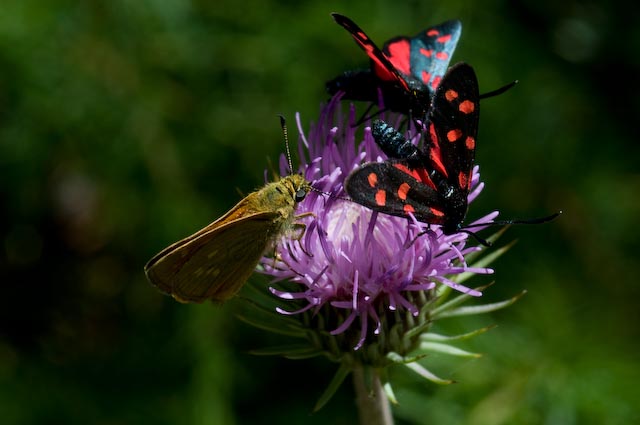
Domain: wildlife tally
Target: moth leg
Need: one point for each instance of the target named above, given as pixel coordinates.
(366, 117)
(425, 231)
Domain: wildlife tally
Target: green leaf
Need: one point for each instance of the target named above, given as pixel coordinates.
(455, 301)
(437, 347)
(427, 337)
(398, 359)
(420, 370)
(388, 390)
(342, 372)
(480, 309)
(386, 385)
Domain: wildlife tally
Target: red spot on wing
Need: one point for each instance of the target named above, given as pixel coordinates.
(426, 52)
(470, 143)
(407, 170)
(467, 107)
(364, 42)
(381, 198)
(381, 70)
(442, 56)
(436, 212)
(433, 32)
(453, 135)
(433, 136)
(426, 77)
(372, 178)
(436, 82)
(463, 180)
(419, 174)
(434, 152)
(362, 38)
(381, 67)
(400, 55)
(437, 163)
(408, 209)
(450, 95)
(444, 39)
(403, 190)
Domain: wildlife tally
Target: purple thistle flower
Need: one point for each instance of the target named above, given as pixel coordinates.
(355, 273)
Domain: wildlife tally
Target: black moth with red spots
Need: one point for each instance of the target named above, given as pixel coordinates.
(406, 72)
(432, 184)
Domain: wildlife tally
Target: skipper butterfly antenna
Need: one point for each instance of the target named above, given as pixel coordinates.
(285, 134)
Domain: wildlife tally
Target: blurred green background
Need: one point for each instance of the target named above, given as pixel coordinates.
(126, 125)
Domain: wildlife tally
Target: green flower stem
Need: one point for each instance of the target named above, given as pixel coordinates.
(372, 401)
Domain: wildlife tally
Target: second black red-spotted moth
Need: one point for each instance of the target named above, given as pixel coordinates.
(432, 184)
